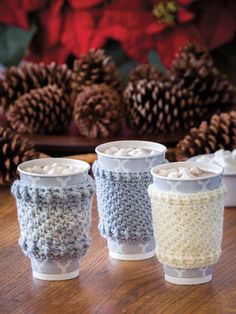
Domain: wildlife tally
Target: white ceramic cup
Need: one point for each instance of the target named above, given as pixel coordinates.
(211, 182)
(131, 164)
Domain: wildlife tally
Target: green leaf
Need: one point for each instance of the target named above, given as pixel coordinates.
(14, 42)
(125, 68)
(154, 58)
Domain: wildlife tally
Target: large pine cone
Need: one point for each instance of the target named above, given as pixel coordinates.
(20, 80)
(14, 149)
(219, 133)
(43, 110)
(97, 111)
(144, 71)
(160, 106)
(194, 69)
(94, 67)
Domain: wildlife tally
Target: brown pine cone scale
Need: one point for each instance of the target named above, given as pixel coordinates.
(20, 80)
(97, 111)
(219, 133)
(14, 149)
(43, 110)
(94, 67)
(160, 106)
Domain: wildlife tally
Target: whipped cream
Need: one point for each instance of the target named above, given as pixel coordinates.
(129, 151)
(183, 173)
(225, 158)
(54, 169)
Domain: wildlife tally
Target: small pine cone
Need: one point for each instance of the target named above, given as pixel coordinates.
(14, 149)
(97, 111)
(160, 106)
(94, 67)
(20, 80)
(43, 110)
(194, 70)
(219, 133)
(144, 71)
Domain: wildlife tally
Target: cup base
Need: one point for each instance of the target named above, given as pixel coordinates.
(194, 276)
(131, 257)
(131, 251)
(55, 269)
(65, 276)
(188, 281)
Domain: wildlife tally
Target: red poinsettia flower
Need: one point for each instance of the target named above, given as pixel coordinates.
(79, 28)
(15, 12)
(166, 25)
(32, 5)
(217, 22)
(12, 13)
(85, 4)
(65, 27)
(137, 25)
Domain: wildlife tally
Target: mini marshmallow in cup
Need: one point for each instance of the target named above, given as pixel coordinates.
(53, 169)
(227, 160)
(129, 151)
(182, 173)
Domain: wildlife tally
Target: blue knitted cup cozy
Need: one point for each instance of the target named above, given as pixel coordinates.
(54, 222)
(123, 205)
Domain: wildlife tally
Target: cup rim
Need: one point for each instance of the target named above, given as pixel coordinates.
(218, 170)
(21, 166)
(101, 147)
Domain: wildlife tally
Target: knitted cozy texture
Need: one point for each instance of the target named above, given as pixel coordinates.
(54, 222)
(188, 227)
(123, 205)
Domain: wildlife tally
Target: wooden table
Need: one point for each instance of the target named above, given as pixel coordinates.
(108, 286)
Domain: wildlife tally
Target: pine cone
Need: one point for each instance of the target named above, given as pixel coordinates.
(97, 111)
(20, 80)
(95, 67)
(219, 133)
(144, 71)
(14, 149)
(194, 69)
(43, 110)
(160, 106)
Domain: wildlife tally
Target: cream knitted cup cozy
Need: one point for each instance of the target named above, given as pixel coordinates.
(54, 222)
(188, 216)
(188, 227)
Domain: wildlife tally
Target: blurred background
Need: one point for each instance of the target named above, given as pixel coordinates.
(132, 32)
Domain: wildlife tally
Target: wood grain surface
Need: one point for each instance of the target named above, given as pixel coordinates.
(106, 285)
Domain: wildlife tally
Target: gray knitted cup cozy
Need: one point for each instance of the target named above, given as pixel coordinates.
(123, 205)
(54, 222)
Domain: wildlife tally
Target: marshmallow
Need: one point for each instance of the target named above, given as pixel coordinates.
(182, 173)
(54, 169)
(225, 158)
(129, 151)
